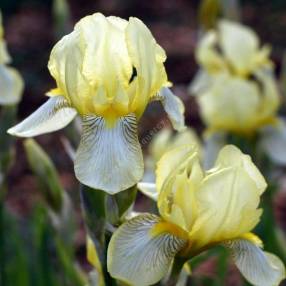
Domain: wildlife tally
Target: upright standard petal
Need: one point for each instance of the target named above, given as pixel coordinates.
(109, 158)
(172, 160)
(148, 59)
(230, 155)
(258, 267)
(239, 45)
(174, 107)
(53, 115)
(11, 86)
(208, 56)
(228, 199)
(139, 256)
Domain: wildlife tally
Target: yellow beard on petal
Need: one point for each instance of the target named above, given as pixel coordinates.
(166, 227)
(253, 238)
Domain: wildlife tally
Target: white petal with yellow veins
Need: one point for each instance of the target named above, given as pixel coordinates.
(53, 115)
(109, 158)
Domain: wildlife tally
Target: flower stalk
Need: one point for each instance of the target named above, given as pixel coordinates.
(176, 271)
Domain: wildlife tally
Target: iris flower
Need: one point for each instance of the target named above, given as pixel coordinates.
(198, 210)
(106, 71)
(237, 91)
(236, 88)
(11, 83)
(164, 141)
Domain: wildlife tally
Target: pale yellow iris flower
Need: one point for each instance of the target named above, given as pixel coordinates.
(198, 210)
(236, 88)
(106, 71)
(164, 141)
(11, 83)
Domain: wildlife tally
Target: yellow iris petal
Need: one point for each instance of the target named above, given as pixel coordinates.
(218, 205)
(108, 67)
(239, 105)
(236, 86)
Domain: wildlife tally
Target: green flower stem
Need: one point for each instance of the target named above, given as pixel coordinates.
(222, 266)
(176, 271)
(46, 173)
(62, 19)
(94, 211)
(231, 9)
(101, 210)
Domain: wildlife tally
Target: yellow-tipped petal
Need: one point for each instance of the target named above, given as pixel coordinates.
(138, 257)
(109, 158)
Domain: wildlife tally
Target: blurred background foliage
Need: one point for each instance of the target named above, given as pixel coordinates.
(36, 198)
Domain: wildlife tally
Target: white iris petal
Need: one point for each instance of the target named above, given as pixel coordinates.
(53, 115)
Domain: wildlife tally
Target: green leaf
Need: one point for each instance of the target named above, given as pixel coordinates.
(101, 212)
(7, 119)
(61, 14)
(93, 206)
(125, 200)
(46, 173)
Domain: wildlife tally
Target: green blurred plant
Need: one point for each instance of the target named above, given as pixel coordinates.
(102, 214)
(61, 17)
